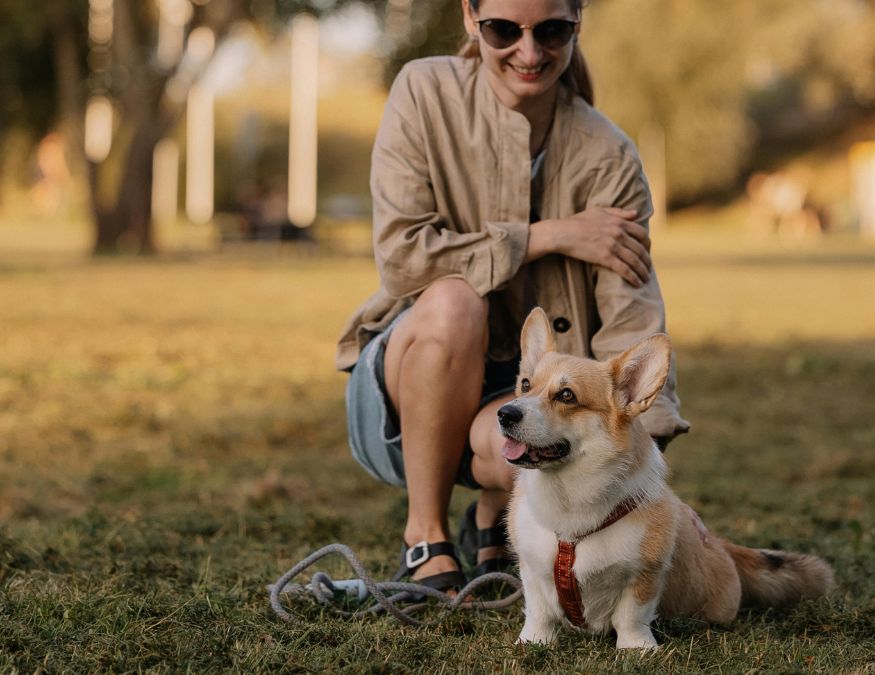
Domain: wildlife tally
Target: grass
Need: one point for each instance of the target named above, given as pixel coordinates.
(172, 439)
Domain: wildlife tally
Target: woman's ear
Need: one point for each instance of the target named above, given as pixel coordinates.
(468, 15)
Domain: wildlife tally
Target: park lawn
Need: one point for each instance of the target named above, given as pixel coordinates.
(172, 439)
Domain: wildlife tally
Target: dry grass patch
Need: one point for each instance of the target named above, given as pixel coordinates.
(172, 438)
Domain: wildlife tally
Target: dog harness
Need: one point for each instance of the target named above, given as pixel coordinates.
(563, 568)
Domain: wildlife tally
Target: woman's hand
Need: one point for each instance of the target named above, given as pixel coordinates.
(603, 236)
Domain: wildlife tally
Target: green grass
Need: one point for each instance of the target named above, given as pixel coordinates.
(172, 439)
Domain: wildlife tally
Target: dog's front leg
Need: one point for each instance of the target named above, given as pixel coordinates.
(631, 619)
(541, 618)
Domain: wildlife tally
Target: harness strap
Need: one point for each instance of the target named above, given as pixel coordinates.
(563, 568)
(566, 584)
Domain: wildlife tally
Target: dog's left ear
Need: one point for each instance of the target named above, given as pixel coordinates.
(640, 372)
(537, 339)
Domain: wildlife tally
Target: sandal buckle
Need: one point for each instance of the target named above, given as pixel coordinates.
(416, 555)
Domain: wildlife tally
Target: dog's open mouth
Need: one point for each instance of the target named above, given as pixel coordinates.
(532, 457)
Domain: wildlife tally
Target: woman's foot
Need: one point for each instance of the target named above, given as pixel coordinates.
(483, 538)
(433, 564)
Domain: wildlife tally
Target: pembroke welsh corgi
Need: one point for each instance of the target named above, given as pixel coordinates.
(602, 540)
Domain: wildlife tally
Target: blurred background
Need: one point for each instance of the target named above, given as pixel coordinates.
(167, 124)
(185, 227)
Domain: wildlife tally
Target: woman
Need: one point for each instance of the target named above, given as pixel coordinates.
(496, 187)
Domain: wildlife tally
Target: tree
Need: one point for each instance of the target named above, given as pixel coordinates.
(148, 93)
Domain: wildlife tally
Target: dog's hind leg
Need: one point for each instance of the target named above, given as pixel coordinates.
(631, 619)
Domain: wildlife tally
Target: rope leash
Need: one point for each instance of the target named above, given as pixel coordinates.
(388, 595)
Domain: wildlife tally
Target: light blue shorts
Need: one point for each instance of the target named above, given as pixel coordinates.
(374, 431)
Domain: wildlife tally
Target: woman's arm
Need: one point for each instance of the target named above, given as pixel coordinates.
(605, 236)
(414, 245)
(628, 312)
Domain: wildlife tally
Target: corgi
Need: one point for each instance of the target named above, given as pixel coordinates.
(601, 539)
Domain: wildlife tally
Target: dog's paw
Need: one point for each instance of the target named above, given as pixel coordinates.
(531, 635)
(637, 641)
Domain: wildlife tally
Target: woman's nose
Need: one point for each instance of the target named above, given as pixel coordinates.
(528, 49)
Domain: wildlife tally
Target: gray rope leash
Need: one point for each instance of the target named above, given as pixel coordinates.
(386, 594)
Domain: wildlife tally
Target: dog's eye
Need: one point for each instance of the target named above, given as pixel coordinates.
(566, 396)
(525, 385)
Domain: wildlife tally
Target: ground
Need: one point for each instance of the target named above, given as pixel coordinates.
(172, 439)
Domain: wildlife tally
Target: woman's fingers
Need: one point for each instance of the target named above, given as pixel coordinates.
(626, 214)
(641, 253)
(638, 231)
(637, 260)
(607, 236)
(621, 268)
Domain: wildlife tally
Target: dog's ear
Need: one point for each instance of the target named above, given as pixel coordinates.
(640, 372)
(537, 339)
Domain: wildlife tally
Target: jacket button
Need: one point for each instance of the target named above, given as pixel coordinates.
(561, 324)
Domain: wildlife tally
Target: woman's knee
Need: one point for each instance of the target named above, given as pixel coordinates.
(489, 466)
(450, 310)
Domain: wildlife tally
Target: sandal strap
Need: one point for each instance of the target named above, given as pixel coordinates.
(492, 536)
(444, 581)
(414, 556)
(499, 564)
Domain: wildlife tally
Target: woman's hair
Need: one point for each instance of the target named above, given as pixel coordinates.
(576, 76)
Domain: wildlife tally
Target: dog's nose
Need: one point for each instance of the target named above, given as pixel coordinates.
(509, 414)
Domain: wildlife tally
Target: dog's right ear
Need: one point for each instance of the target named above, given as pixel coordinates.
(537, 339)
(640, 372)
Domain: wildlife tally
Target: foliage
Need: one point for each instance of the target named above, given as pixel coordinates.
(26, 81)
(147, 95)
(183, 444)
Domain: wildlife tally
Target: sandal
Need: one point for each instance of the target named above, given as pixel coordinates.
(414, 556)
(472, 539)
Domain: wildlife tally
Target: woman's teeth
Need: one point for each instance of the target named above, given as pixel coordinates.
(529, 71)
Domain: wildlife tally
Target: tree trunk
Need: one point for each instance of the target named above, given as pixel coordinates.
(126, 227)
(125, 224)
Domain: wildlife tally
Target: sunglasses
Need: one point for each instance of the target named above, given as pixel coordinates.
(550, 34)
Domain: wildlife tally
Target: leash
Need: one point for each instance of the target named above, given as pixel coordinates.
(398, 598)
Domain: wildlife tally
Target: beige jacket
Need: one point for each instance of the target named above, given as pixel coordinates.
(451, 180)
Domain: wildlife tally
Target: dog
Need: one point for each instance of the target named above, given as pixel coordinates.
(601, 539)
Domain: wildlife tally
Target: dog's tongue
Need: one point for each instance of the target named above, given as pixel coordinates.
(513, 449)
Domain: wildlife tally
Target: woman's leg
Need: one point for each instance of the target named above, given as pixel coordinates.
(434, 376)
(490, 470)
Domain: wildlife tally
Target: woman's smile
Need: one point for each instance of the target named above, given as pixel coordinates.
(524, 65)
(528, 73)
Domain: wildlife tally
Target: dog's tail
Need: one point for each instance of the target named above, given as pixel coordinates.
(770, 578)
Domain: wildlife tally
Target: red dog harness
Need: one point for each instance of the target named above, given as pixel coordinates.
(563, 568)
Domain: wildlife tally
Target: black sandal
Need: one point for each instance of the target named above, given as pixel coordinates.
(472, 539)
(414, 556)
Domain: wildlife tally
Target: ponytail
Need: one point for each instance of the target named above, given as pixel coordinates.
(576, 76)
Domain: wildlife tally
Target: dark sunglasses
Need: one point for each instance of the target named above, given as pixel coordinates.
(550, 34)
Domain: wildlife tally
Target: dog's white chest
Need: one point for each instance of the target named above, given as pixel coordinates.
(604, 562)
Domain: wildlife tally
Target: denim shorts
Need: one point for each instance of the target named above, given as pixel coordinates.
(374, 430)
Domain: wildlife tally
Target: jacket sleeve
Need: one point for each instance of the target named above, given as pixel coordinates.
(630, 314)
(414, 245)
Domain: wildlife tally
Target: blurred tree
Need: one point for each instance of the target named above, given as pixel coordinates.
(56, 50)
(719, 78)
(27, 78)
(27, 82)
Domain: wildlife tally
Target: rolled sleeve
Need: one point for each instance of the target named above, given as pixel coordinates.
(628, 314)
